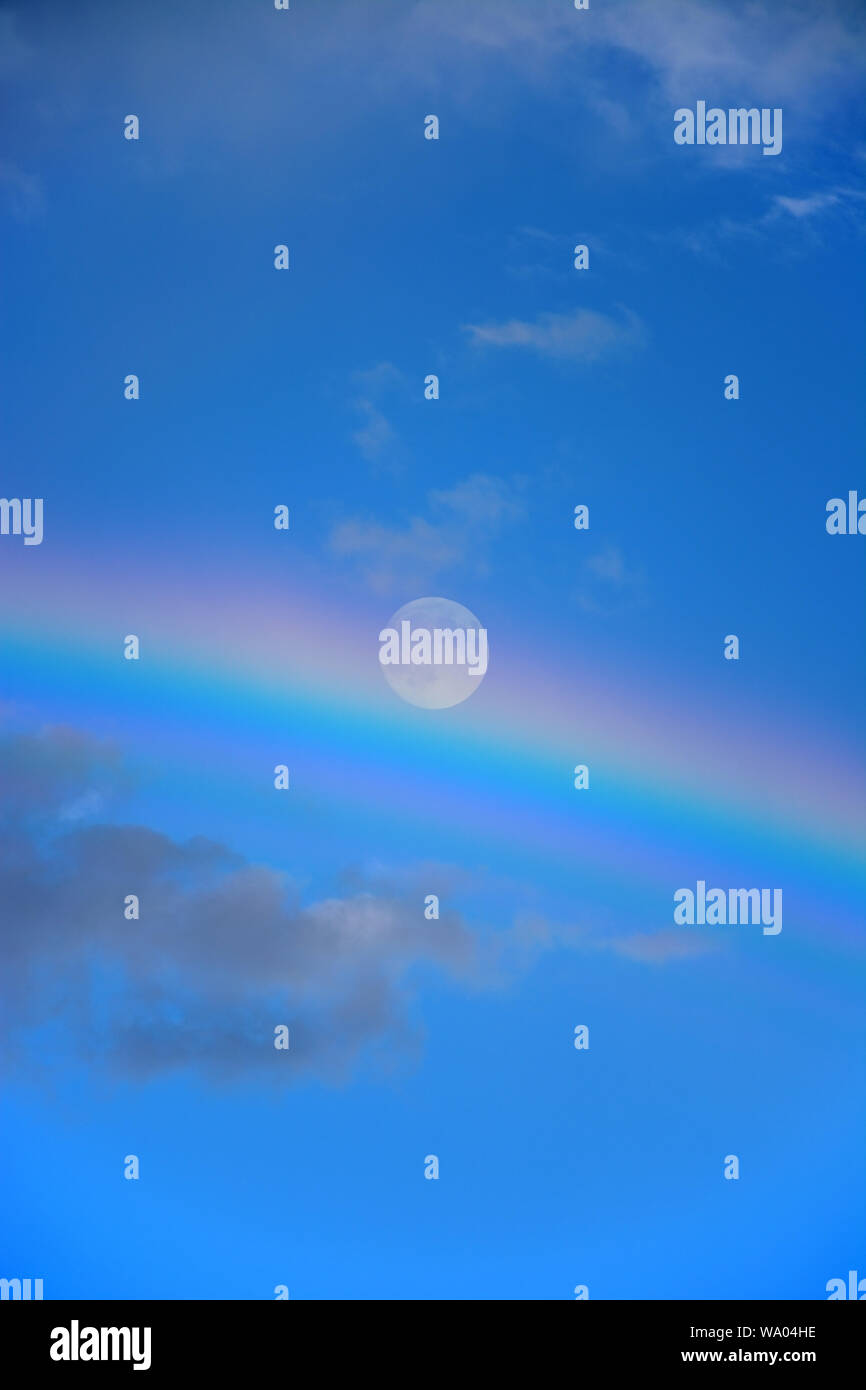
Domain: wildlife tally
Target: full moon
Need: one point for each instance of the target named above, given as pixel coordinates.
(433, 686)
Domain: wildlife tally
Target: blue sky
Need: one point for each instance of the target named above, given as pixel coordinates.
(305, 387)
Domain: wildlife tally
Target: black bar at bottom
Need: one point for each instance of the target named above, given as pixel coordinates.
(205, 1337)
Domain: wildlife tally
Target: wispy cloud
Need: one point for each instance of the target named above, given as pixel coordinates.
(768, 51)
(610, 585)
(584, 335)
(806, 207)
(462, 523)
(655, 948)
(800, 220)
(376, 437)
(533, 252)
(23, 192)
(782, 50)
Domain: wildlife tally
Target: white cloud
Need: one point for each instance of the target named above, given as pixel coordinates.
(376, 434)
(610, 586)
(781, 49)
(464, 521)
(777, 50)
(376, 437)
(843, 205)
(584, 335)
(806, 207)
(622, 63)
(655, 948)
(23, 192)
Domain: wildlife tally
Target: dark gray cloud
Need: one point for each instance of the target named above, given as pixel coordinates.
(222, 952)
